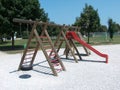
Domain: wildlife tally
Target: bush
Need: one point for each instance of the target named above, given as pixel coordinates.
(25, 35)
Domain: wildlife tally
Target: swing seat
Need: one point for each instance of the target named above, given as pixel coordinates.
(26, 67)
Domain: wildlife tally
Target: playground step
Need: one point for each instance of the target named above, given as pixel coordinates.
(54, 61)
(26, 62)
(43, 37)
(45, 41)
(29, 53)
(27, 58)
(53, 54)
(30, 50)
(47, 46)
(49, 50)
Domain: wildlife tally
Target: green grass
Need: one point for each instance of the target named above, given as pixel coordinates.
(103, 40)
(19, 44)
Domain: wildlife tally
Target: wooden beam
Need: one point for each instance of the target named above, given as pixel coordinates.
(42, 23)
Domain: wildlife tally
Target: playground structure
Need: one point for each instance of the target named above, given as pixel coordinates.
(73, 35)
(49, 49)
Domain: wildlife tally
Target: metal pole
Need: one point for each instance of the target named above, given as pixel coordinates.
(20, 30)
(27, 30)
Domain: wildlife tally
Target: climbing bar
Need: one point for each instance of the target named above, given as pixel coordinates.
(29, 53)
(50, 50)
(43, 37)
(55, 61)
(25, 62)
(27, 58)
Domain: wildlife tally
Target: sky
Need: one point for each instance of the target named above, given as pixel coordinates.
(66, 11)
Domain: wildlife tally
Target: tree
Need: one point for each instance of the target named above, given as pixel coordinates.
(53, 30)
(111, 28)
(116, 27)
(103, 28)
(89, 20)
(25, 9)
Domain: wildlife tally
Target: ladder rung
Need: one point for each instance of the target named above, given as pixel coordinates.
(30, 50)
(26, 62)
(43, 36)
(55, 61)
(52, 54)
(56, 64)
(27, 58)
(59, 70)
(45, 41)
(49, 51)
(47, 46)
(29, 53)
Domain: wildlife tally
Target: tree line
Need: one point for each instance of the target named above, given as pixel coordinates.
(88, 20)
(25, 9)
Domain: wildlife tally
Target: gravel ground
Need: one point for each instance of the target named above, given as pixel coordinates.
(89, 74)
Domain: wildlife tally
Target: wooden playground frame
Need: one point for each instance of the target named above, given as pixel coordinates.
(52, 57)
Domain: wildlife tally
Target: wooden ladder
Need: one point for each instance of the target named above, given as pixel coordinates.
(67, 50)
(44, 42)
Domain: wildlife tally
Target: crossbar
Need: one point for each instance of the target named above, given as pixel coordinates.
(42, 23)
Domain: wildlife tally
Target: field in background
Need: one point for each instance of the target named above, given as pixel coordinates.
(95, 39)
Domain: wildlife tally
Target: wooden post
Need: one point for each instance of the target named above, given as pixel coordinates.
(69, 46)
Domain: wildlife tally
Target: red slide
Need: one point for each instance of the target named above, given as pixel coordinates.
(73, 35)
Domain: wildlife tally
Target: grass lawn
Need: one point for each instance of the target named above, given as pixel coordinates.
(19, 44)
(104, 40)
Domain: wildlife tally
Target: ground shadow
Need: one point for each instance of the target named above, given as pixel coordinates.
(83, 60)
(25, 76)
(10, 48)
(37, 67)
(42, 68)
(68, 60)
(82, 54)
(93, 61)
(13, 71)
(39, 63)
